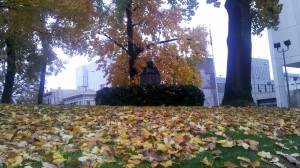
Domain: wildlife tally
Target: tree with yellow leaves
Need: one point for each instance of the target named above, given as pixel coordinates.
(135, 31)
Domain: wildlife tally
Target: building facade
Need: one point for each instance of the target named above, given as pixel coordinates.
(86, 97)
(55, 96)
(207, 72)
(289, 29)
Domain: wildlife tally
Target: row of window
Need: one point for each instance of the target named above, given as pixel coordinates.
(261, 88)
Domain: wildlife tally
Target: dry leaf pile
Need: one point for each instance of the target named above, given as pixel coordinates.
(158, 135)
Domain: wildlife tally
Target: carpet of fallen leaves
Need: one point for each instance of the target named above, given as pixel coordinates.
(158, 135)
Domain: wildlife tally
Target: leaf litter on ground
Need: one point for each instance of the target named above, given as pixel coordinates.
(159, 136)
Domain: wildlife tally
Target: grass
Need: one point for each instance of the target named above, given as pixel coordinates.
(108, 137)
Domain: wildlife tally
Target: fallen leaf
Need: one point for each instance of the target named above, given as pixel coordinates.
(281, 145)
(255, 164)
(244, 159)
(281, 123)
(217, 152)
(265, 154)
(292, 159)
(15, 161)
(279, 165)
(169, 163)
(207, 162)
(230, 165)
(48, 165)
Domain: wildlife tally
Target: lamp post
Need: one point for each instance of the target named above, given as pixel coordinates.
(287, 43)
(295, 79)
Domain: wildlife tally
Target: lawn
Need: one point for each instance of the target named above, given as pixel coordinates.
(111, 137)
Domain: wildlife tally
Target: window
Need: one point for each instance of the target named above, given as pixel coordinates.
(266, 88)
(88, 102)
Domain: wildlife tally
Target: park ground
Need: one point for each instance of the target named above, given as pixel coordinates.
(101, 136)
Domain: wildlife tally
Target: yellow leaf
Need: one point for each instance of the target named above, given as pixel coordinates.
(139, 156)
(220, 128)
(244, 159)
(282, 123)
(15, 161)
(209, 123)
(222, 141)
(162, 147)
(147, 145)
(255, 164)
(265, 154)
(60, 160)
(135, 162)
(76, 129)
(228, 144)
(110, 160)
(130, 165)
(167, 164)
(206, 162)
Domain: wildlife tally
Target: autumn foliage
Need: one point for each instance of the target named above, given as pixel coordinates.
(141, 30)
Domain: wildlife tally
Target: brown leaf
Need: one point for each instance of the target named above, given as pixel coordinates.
(230, 165)
(217, 152)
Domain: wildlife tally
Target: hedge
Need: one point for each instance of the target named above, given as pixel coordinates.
(151, 95)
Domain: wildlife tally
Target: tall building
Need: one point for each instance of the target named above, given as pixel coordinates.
(207, 72)
(289, 29)
(88, 77)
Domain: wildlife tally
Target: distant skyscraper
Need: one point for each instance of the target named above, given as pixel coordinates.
(89, 78)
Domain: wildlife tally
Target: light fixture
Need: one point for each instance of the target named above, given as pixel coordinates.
(277, 46)
(287, 43)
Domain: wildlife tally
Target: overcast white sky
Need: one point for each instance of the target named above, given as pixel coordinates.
(205, 15)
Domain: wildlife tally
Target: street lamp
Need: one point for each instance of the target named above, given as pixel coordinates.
(287, 43)
(295, 79)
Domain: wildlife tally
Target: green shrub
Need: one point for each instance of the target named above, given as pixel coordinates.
(151, 95)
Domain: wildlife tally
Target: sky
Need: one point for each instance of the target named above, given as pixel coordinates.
(206, 15)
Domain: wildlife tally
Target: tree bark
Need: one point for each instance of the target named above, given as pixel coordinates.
(238, 77)
(42, 83)
(131, 50)
(10, 73)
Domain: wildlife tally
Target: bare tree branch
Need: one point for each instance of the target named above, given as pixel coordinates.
(114, 41)
(164, 41)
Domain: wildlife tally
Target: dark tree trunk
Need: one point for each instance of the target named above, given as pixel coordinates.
(48, 55)
(10, 73)
(131, 48)
(238, 77)
(42, 83)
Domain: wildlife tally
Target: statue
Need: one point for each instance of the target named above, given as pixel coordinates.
(150, 74)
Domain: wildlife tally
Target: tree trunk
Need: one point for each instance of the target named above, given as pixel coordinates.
(131, 48)
(10, 73)
(238, 78)
(42, 83)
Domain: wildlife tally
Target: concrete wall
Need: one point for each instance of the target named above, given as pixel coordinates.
(295, 98)
(289, 28)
